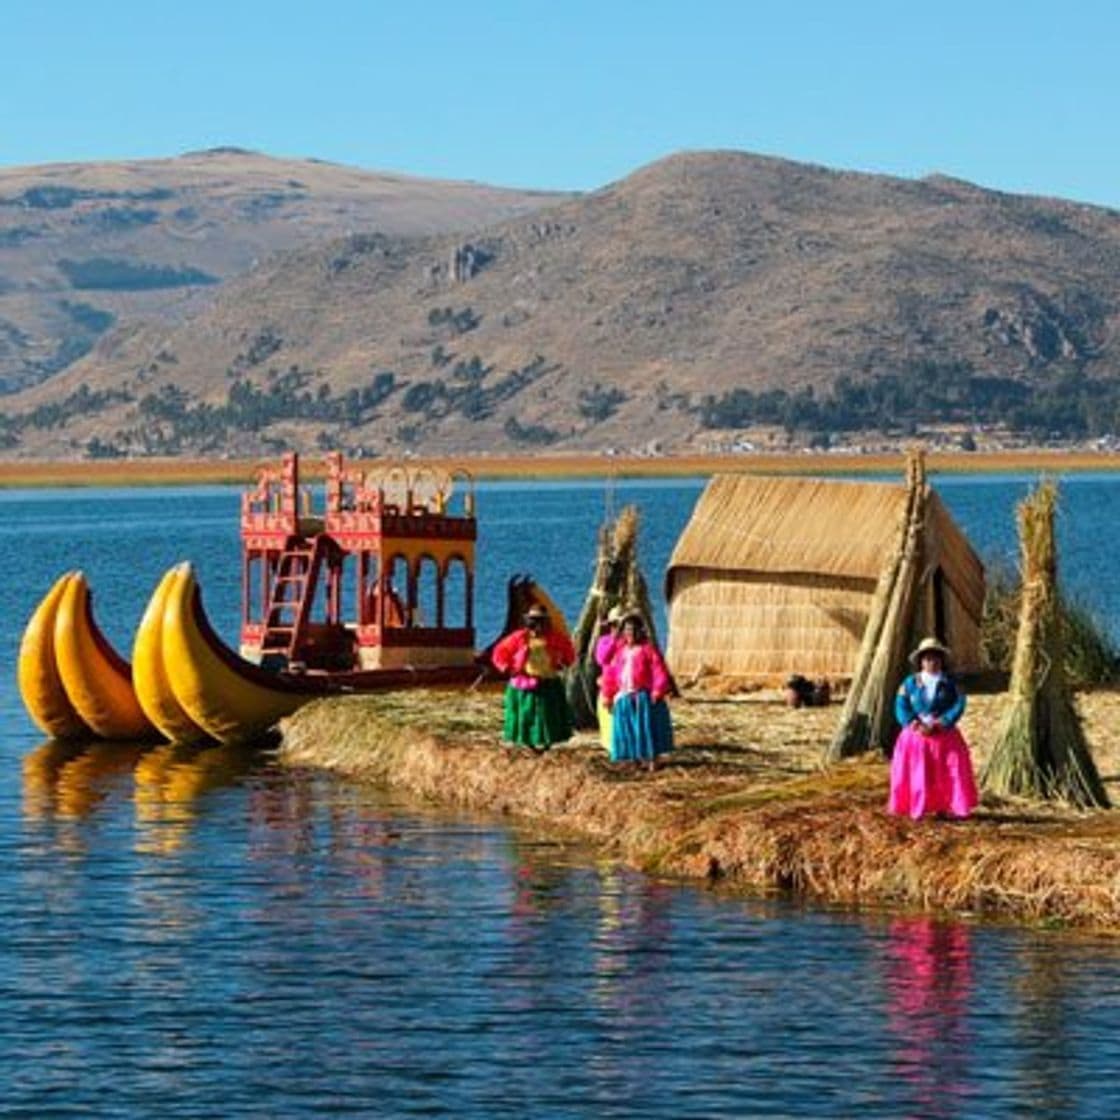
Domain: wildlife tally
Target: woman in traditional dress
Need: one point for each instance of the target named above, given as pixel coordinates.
(605, 649)
(635, 684)
(536, 709)
(931, 771)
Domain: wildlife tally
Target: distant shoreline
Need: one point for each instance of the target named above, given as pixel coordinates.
(189, 472)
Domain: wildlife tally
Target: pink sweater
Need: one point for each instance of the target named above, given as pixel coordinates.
(645, 668)
(605, 649)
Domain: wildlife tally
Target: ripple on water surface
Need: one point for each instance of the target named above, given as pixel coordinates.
(193, 932)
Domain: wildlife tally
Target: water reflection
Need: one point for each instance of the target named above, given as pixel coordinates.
(1046, 1028)
(168, 782)
(929, 986)
(73, 779)
(633, 933)
(41, 768)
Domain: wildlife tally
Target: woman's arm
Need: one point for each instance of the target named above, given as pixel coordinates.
(904, 712)
(608, 683)
(561, 649)
(604, 650)
(508, 655)
(956, 704)
(660, 681)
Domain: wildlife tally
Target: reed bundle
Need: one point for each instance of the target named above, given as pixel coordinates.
(1040, 751)
(617, 582)
(867, 719)
(1091, 656)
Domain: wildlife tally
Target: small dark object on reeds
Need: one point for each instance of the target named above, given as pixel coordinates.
(1040, 751)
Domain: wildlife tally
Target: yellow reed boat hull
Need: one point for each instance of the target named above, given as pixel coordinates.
(149, 673)
(40, 685)
(232, 700)
(97, 680)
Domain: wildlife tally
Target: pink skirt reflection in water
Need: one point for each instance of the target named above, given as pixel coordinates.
(931, 774)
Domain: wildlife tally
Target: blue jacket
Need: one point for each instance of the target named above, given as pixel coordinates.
(910, 703)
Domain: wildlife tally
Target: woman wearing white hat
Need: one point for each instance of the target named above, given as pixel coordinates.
(605, 649)
(931, 771)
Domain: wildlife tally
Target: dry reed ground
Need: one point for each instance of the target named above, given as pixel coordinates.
(744, 800)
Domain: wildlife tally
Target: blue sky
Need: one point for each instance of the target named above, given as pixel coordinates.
(1018, 96)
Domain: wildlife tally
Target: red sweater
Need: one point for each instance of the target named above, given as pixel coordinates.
(511, 653)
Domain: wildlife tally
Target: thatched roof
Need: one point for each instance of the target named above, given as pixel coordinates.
(818, 527)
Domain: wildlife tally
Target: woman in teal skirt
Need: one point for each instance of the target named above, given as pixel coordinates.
(635, 684)
(536, 709)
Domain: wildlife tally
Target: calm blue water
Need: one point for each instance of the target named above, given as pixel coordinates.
(194, 933)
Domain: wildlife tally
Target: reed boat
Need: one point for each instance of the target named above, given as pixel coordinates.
(373, 593)
(74, 684)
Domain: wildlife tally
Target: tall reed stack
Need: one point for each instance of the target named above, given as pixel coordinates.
(618, 581)
(1040, 751)
(867, 719)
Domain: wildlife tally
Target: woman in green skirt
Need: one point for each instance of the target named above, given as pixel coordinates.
(536, 709)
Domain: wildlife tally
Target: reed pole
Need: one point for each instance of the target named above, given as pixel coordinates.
(867, 718)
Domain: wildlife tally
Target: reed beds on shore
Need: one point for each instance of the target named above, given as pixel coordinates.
(745, 801)
(185, 472)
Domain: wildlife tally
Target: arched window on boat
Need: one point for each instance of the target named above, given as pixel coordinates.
(459, 493)
(367, 584)
(457, 594)
(395, 592)
(428, 597)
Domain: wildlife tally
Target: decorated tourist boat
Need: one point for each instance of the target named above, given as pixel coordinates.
(372, 590)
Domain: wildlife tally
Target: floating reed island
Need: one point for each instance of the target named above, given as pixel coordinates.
(745, 801)
(762, 796)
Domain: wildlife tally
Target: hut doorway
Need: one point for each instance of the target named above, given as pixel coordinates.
(940, 618)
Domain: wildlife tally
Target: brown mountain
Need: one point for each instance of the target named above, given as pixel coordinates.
(83, 246)
(607, 319)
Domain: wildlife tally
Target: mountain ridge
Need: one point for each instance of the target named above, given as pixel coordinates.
(153, 238)
(705, 292)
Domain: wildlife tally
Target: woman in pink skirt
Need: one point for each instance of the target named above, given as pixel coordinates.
(931, 771)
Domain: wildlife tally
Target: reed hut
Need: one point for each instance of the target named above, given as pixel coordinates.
(773, 576)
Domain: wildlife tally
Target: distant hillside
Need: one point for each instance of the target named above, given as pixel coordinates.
(709, 292)
(84, 246)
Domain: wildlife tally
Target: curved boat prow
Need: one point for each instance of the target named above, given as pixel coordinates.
(40, 685)
(149, 674)
(523, 592)
(97, 680)
(231, 699)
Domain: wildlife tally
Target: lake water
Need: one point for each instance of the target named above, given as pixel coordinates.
(198, 933)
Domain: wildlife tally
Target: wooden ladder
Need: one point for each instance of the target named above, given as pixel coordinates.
(291, 595)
